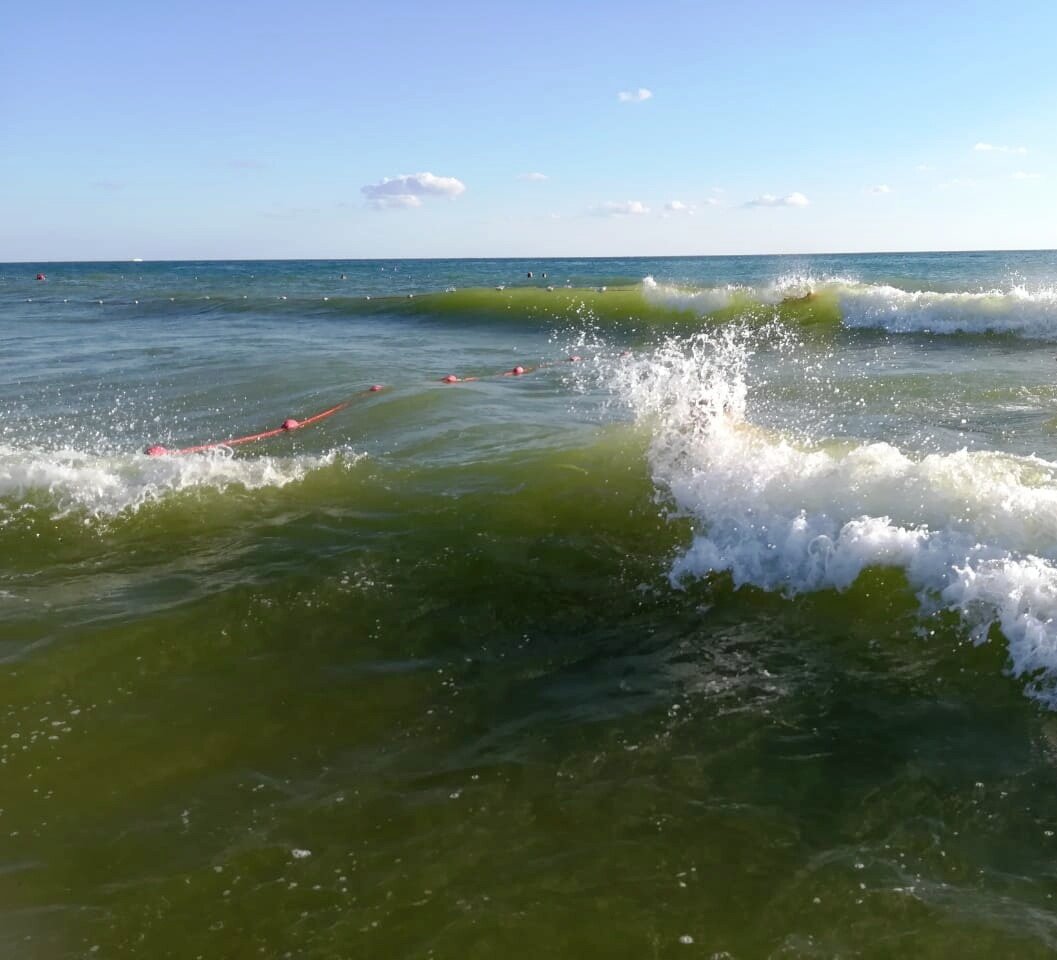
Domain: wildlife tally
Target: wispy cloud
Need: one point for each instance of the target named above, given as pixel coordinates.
(534, 177)
(621, 208)
(924, 168)
(1024, 175)
(108, 185)
(408, 189)
(880, 188)
(634, 96)
(399, 201)
(674, 207)
(997, 148)
(796, 199)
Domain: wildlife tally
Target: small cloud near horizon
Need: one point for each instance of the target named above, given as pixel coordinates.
(1024, 175)
(634, 96)
(408, 189)
(624, 208)
(881, 188)
(795, 199)
(677, 206)
(533, 177)
(997, 148)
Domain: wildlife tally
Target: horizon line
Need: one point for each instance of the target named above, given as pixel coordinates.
(638, 256)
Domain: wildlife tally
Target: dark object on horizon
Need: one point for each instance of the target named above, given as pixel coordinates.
(40, 276)
(530, 274)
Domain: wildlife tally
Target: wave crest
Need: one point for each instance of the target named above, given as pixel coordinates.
(974, 532)
(73, 481)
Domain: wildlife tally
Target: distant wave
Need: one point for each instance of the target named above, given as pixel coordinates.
(795, 299)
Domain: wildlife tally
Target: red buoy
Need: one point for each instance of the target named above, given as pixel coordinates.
(290, 424)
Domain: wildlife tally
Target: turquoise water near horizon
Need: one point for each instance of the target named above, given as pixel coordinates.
(735, 636)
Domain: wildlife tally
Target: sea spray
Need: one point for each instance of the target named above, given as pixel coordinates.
(974, 532)
(75, 481)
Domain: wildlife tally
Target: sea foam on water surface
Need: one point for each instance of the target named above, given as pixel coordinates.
(701, 300)
(75, 481)
(1025, 313)
(1031, 314)
(974, 532)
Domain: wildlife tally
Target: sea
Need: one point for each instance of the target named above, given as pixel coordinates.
(651, 608)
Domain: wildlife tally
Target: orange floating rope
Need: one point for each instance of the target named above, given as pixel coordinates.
(288, 425)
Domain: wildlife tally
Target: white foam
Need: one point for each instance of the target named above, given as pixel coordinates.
(974, 532)
(74, 481)
(1031, 314)
(701, 300)
(1016, 310)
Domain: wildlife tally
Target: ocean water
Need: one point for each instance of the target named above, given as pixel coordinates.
(727, 630)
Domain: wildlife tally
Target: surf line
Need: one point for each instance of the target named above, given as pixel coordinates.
(290, 424)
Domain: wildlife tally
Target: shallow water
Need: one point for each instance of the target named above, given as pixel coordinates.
(735, 637)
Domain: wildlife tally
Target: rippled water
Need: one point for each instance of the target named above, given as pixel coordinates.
(734, 636)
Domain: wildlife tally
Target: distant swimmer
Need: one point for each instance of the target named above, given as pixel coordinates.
(40, 276)
(343, 277)
(530, 274)
(544, 276)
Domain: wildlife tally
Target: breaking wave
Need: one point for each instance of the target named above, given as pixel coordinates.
(974, 533)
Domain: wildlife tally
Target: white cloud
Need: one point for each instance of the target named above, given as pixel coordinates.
(1024, 175)
(673, 207)
(881, 188)
(407, 189)
(796, 199)
(533, 177)
(924, 168)
(997, 148)
(634, 96)
(625, 208)
(711, 201)
(395, 202)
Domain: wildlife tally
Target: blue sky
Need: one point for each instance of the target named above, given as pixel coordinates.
(281, 130)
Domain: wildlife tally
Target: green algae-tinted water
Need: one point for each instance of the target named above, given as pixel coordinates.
(733, 638)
